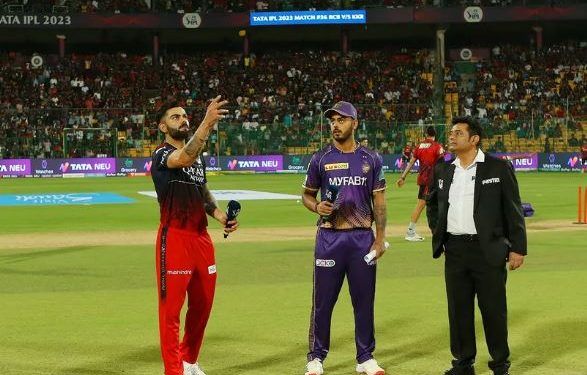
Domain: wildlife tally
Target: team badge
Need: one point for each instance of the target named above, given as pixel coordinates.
(366, 168)
(440, 184)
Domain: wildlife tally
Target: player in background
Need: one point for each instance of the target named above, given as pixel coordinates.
(427, 153)
(584, 155)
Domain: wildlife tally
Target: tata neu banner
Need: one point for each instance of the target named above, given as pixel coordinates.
(15, 167)
(258, 163)
(133, 166)
(79, 166)
(522, 161)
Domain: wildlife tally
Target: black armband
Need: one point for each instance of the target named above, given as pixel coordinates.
(210, 207)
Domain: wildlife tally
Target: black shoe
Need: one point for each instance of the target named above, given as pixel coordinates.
(461, 371)
(505, 370)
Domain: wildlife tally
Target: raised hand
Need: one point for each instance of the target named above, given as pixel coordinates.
(215, 112)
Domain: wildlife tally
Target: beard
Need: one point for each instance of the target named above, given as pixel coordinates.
(342, 136)
(178, 134)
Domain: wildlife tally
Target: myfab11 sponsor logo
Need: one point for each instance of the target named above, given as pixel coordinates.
(107, 165)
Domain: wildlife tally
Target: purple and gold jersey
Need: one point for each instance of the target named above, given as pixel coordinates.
(178, 191)
(356, 174)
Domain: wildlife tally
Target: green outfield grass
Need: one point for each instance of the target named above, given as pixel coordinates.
(91, 310)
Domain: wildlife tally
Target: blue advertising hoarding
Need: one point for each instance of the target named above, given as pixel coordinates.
(309, 17)
(560, 162)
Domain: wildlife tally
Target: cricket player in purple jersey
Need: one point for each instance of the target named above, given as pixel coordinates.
(352, 189)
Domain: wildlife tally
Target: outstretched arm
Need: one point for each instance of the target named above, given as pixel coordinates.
(187, 155)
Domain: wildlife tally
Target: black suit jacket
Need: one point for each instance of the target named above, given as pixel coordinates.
(497, 212)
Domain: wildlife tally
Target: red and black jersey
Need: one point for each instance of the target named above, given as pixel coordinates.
(179, 191)
(428, 152)
(584, 151)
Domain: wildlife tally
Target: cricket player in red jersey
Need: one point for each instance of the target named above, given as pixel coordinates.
(428, 152)
(184, 250)
(584, 155)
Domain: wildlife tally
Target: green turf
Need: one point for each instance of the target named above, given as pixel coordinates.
(554, 196)
(92, 310)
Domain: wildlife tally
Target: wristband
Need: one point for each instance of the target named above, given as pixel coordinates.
(316, 207)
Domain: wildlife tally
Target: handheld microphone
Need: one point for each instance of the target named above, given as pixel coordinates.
(232, 211)
(331, 194)
(372, 254)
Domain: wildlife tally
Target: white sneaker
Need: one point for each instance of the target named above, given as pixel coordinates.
(414, 237)
(314, 367)
(197, 370)
(370, 367)
(192, 369)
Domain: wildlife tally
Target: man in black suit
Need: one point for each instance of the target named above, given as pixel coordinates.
(475, 214)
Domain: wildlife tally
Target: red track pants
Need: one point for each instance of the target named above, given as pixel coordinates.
(188, 267)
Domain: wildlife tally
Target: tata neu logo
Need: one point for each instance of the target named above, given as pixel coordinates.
(253, 164)
(147, 166)
(64, 166)
(76, 167)
(573, 161)
(399, 163)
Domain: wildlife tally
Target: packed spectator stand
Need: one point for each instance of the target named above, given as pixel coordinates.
(188, 6)
(522, 96)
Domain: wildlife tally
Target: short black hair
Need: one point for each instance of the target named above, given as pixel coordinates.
(474, 126)
(430, 131)
(162, 111)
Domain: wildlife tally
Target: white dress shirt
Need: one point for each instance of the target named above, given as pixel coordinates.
(461, 197)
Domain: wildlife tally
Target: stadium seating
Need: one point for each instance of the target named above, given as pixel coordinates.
(277, 99)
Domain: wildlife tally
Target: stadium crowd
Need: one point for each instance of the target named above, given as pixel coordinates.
(517, 83)
(188, 6)
(277, 98)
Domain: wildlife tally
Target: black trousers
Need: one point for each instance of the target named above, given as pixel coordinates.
(468, 274)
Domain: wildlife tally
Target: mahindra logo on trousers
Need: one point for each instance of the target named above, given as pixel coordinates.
(179, 272)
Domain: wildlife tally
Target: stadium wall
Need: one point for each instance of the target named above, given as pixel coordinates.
(120, 167)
